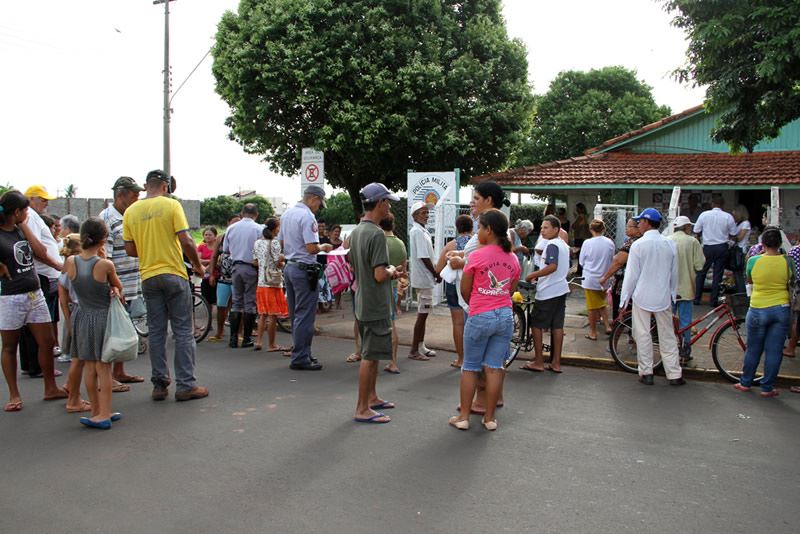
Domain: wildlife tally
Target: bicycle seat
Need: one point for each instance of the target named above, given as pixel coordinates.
(526, 285)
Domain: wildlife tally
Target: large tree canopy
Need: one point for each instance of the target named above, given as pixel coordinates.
(381, 86)
(583, 109)
(748, 53)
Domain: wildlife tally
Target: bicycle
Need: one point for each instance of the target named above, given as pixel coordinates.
(201, 317)
(522, 337)
(728, 342)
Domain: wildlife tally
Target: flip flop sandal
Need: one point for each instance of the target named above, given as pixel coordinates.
(385, 405)
(430, 353)
(13, 406)
(86, 406)
(531, 369)
(587, 336)
(550, 368)
(418, 357)
(120, 388)
(392, 371)
(130, 379)
(279, 349)
(353, 358)
(455, 364)
(373, 419)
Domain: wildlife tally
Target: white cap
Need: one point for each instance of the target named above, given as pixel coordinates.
(418, 205)
(682, 220)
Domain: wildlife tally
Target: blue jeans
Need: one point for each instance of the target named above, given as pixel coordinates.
(766, 332)
(302, 301)
(168, 299)
(683, 308)
(716, 257)
(486, 339)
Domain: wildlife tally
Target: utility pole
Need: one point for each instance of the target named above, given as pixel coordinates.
(167, 111)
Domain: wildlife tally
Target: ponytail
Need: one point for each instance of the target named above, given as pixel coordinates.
(269, 228)
(496, 221)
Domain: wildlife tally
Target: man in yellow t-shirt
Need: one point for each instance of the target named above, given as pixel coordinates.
(156, 231)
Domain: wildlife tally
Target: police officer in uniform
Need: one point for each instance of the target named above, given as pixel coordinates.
(299, 232)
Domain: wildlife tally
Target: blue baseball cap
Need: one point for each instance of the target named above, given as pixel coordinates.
(376, 191)
(651, 214)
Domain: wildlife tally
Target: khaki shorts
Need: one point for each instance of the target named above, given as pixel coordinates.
(424, 300)
(376, 339)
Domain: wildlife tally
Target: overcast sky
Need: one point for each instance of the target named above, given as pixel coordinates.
(81, 99)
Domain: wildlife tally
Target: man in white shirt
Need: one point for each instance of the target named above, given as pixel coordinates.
(48, 267)
(651, 279)
(551, 296)
(423, 278)
(716, 227)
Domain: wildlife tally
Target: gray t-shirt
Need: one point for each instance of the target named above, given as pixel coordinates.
(367, 251)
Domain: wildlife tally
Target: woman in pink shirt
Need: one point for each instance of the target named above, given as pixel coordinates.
(490, 277)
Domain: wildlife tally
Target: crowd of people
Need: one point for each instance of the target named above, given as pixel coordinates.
(256, 273)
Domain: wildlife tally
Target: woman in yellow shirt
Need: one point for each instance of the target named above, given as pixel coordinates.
(769, 314)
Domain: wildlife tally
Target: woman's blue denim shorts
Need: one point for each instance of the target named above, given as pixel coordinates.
(487, 337)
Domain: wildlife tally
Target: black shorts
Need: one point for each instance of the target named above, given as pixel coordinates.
(549, 313)
(209, 292)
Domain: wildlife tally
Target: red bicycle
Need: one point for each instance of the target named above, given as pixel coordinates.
(728, 342)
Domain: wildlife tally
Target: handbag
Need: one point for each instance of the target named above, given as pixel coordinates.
(121, 342)
(735, 259)
(793, 287)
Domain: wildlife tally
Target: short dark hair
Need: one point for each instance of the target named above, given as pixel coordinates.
(463, 224)
(387, 223)
(651, 223)
(553, 220)
(772, 237)
(250, 209)
(369, 206)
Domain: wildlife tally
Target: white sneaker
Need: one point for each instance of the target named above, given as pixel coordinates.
(57, 351)
(64, 358)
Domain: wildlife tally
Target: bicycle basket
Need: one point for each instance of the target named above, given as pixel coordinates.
(739, 304)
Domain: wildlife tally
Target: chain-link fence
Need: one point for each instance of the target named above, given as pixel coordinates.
(615, 216)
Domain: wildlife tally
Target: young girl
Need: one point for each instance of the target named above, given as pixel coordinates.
(490, 278)
(95, 282)
(21, 298)
(69, 302)
(269, 295)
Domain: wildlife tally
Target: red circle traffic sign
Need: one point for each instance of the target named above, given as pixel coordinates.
(312, 173)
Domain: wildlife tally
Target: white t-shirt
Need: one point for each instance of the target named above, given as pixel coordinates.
(596, 255)
(43, 233)
(421, 247)
(744, 243)
(554, 284)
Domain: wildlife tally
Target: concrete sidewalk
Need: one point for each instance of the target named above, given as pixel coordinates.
(578, 350)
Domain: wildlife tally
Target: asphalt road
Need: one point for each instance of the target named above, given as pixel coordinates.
(273, 451)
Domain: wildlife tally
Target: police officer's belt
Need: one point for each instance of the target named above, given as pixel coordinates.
(304, 266)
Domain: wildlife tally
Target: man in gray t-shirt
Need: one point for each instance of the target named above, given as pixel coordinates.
(369, 257)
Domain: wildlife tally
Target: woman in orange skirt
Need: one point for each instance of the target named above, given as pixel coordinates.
(270, 300)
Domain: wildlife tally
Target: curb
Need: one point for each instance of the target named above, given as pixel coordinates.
(608, 364)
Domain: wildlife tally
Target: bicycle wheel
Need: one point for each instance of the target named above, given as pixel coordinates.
(140, 324)
(201, 316)
(285, 325)
(727, 350)
(518, 337)
(622, 345)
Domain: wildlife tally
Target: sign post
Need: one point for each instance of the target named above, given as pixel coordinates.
(312, 169)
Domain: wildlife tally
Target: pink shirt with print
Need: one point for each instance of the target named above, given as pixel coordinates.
(493, 272)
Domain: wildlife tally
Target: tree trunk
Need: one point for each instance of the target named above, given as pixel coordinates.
(353, 190)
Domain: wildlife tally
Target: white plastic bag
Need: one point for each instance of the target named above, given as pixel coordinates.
(121, 342)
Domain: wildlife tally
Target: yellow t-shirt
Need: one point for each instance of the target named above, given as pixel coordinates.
(770, 275)
(153, 224)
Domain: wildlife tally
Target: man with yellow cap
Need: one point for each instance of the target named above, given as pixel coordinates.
(48, 266)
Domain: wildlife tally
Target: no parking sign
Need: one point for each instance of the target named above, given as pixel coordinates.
(312, 169)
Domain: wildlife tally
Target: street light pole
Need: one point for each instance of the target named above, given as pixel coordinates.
(167, 112)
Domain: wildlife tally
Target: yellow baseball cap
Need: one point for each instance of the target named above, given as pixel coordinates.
(38, 191)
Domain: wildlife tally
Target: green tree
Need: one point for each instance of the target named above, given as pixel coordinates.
(264, 206)
(338, 210)
(380, 86)
(747, 53)
(583, 109)
(217, 210)
(5, 187)
(69, 194)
